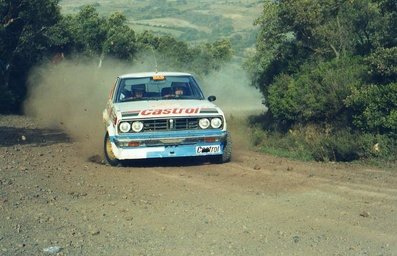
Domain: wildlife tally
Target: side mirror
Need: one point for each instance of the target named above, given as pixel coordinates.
(211, 98)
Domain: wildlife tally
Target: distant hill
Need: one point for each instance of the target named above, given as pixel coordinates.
(188, 20)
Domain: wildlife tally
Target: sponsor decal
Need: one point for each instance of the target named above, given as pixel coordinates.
(208, 149)
(169, 111)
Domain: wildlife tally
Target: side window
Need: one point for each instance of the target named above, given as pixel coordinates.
(123, 91)
(195, 88)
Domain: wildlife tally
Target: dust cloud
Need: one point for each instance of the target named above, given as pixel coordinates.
(71, 96)
(231, 86)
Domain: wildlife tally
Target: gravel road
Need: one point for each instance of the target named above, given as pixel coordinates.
(55, 200)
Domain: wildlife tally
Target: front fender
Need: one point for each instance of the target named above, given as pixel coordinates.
(105, 117)
(111, 129)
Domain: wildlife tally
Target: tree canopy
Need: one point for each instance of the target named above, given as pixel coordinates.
(25, 38)
(330, 61)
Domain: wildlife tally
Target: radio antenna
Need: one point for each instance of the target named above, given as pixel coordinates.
(154, 56)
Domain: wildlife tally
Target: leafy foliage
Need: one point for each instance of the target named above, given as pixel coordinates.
(120, 42)
(25, 30)
(375, 108)
(316, 94)
(175, 54)
(322, 143)
(329, 63)
(383, 65)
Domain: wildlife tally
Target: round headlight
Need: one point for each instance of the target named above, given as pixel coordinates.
(137, 126)
(216, 122)
(204, 123)
(125, 127)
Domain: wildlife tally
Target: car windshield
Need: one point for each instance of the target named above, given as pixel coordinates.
(149, 88)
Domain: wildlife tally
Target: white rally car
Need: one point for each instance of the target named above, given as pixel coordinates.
(162, 115)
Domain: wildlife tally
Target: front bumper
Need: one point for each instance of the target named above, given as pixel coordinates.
(168, 144)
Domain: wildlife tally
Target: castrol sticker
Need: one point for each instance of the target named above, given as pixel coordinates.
(169, 111)
(200, 150)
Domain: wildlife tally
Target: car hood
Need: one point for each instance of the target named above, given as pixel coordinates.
(150, 109)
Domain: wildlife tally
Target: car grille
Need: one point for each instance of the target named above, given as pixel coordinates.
(170, 124)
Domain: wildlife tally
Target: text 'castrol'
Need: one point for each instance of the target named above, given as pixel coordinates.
(169, 111)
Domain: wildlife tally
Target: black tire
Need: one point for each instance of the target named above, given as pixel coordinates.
(109, 155)
(227, 151)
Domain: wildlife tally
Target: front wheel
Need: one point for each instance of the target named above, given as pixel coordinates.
(109, 155)
(227, 151)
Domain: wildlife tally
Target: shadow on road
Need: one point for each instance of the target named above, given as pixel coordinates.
(10, 136)
(157, 162)
(167, 162)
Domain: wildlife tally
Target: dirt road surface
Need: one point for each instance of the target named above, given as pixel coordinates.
(54, 200)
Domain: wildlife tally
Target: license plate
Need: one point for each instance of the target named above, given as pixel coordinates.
(208, 149)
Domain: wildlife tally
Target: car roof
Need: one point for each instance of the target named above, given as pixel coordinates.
(150, 74)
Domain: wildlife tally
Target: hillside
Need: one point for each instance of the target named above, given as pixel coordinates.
(187, 20)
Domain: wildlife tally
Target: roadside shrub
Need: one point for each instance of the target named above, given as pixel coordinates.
(317, 94)
(325, 143)
(375, 108)
(280, 144)
(345, 146)
(257, 136)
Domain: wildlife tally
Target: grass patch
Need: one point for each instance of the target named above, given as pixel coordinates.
(291, 154)
(314, 142)
(159, 30)
(280, 145)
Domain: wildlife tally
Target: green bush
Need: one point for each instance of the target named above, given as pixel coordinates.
(325, 143)
(375, 108)
(280, 144)
(317, 94)
(383, 65)
(344, 146)
(257, 136)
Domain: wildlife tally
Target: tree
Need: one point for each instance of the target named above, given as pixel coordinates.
(375, 108)
(24, 40)
(120, 39)
(304, 62)
(375, 104)
(317, 94)
(89, 31)
(293, 32)
(174, 54)
(220, 49)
